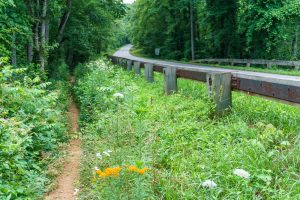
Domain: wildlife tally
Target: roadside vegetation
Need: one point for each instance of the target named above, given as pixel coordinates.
(33, 127)
(140, 144)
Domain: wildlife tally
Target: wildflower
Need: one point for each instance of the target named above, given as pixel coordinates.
(241, 173)
(119, 95)
(285, 143)
(98, 155)
(96, 168)
(135, 169)
(114, 172)
(76, 191)
(209, 184)
(107, 152)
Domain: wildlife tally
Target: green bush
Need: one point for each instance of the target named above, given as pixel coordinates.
(32, 125)
(59, 70)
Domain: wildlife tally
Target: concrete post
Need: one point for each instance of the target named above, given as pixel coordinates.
(219, 90)
(149, 74)
(296, 67)
(269, 66)
(129, 65)
(248, 65)
(170, 80)
(137, 68)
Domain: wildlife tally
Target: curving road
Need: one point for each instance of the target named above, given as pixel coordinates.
(282, 87)
(124, 52)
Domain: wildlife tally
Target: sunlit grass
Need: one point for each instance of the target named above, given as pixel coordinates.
(181, 143)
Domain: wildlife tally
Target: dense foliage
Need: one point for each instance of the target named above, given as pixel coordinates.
(42, 31)
(145, 145)
(32, 125)
(232, 28)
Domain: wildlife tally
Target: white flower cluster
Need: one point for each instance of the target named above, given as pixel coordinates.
(118, 95)
(210, 184)
(106, 153)
(241, 173)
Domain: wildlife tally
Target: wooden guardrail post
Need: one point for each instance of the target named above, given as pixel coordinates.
(118, 61)
(123, 63)
(149, 74)
(219, 90)
(129, 65)
(137, 68)
(170, 80)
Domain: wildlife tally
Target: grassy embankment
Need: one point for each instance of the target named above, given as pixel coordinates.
(150, 146)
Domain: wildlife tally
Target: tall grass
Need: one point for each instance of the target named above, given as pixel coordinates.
(181, 142)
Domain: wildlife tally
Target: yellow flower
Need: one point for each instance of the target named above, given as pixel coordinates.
(135, 169)
(114, 172)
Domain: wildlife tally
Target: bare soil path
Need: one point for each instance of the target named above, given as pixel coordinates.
(66, 189)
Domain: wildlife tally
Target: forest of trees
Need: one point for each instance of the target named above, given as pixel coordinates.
(218, 28)
(39, 32)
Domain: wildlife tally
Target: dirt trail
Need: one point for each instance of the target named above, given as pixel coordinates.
(66, 181)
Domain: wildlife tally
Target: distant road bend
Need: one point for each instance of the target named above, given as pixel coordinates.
(282, 87)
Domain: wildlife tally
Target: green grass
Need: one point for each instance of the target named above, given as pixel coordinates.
(181, 141)
(274, 69)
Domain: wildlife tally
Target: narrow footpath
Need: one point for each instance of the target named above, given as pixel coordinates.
(66, 189)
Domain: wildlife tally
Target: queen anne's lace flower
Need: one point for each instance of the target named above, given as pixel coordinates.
(76, 191)
(119, 95)
(285, 143)
(107, 152)
(241, 173)
(98, 155)
(209, 184)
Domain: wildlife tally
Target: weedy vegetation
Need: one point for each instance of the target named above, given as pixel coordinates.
(140, 144)
(32, 127)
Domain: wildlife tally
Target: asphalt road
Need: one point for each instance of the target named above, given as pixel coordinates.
(124, 52)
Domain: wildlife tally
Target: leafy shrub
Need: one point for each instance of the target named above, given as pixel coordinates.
(32, 124)
(59, 70)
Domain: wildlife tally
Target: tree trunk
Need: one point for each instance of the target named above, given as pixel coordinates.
(30, 44)
(295, 42)
(63, 21)
(42, 52)
(36, 28)
(30, 50)
(14, 50)
(192, 29)
(47, 31)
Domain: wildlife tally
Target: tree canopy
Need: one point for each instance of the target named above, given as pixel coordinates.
(42, 31)
(223, 29)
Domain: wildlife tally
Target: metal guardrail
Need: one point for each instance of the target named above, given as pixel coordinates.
(249, 62)
(217, 82)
